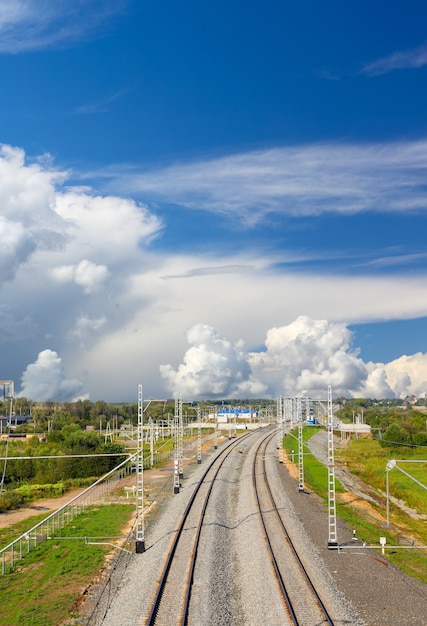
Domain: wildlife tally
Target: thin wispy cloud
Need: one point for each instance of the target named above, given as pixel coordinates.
(101, 106)
(297, 181)
(398, 260)
(213, 271)
(407, 59)
(27, 25)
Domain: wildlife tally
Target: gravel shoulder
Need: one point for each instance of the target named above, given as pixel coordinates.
(237, 588)
(381, 593)
(364, 588)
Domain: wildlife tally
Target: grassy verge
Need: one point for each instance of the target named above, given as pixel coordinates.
(367, 459)
(45, 587)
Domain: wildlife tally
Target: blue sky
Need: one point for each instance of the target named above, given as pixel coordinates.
(213, 199)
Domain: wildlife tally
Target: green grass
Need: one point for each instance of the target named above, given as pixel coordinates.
(367, 459)
(8, 534)
(315, 474)
(46, 584)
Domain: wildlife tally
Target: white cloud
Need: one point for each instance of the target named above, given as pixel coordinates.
(16, 247)
(112, 224)
(86, 326)
(90, 276)
(78, 273)
(40, 216)
(296, 181)
(14, 11)
(306, 356)
(301, 358)
(413, 58)
(35, 24)
(27, 192)
(376, 385)
(55, 238)
(44, 380)
(408, 374)
(212, 367)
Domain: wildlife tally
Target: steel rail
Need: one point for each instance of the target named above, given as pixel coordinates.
(170, 557)
(303, 570)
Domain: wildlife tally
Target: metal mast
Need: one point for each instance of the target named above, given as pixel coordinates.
(293, 412)
(288, 411)
(151, 442)
(199, 435)
(140, 539)
(300, 446)
(180, 439)
(309, 411)
(332, 509)
(279, 418)
(178, 444)
(11, 385)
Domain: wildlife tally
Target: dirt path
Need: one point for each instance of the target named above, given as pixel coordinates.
(49, 505)
(46, 505)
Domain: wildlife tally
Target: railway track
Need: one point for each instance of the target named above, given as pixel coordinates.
(210, 566)
(171, 602)
(303, 603)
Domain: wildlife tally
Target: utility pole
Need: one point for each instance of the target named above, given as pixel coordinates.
(301, 488)
(151, 442)
(140, 538)
(11, 386)
(279, 420)
(177, 448)
(332, 507)
(108, 434)
(199, 435)
(180, 439)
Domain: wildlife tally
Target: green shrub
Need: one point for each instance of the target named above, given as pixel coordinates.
(10, 500)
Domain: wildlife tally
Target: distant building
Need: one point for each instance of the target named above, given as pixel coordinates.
(227, 415)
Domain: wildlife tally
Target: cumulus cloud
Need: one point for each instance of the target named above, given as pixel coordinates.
(55, 237)
(16, 247)
(301, 358)
(297, 181)
(115, 225)
(27, 186)
(212, 367)
(375, 384)
(28, 221)
(86, 326)
(308, 355)
(45, 380)
(90, 276)
(40, 214)
(408, 374)
(78, 272)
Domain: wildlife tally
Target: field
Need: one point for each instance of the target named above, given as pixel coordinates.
(47, 584)
(367, 460)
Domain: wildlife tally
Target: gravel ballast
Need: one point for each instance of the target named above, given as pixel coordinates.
(381, 593)
(234, 584)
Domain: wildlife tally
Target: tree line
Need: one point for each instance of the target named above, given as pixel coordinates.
(393, 422)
